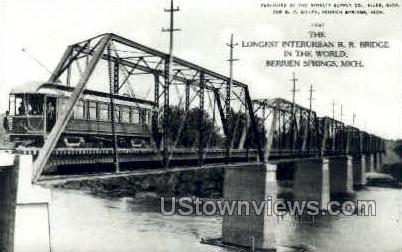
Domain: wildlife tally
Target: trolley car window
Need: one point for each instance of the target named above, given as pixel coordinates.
(34, 104)
(149, 116)
(135, 118)
(19, 105)
(26, 104)
(79, 110)
(11, 105)
(116, 113)
(146, 116)
(92, 110)
(103, 112)
(124, 114)
(142, 116)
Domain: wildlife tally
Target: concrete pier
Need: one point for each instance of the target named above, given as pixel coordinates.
(370, 164)
(380, 158)
(359, 170)
(377, 161)
(341, 175)
(254, 183)
(32, 200)
(19, 201)
(312, 181)
(8, 200)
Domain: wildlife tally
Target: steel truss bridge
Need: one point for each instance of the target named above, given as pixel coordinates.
(232, 127)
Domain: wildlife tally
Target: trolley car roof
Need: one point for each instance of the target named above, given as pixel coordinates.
(36, 87)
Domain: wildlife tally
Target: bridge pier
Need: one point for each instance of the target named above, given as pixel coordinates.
(381, 156)
(258, 184)
(341, 175)
(370, 164)
(359, 170)
(312, 181)
(8, 200)
(24, 207)
(32, 200)
(377, 161)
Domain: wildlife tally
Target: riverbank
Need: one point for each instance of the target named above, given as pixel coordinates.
(204, 183)
(382, 180)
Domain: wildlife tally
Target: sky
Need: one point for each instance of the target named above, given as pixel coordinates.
(45, 28)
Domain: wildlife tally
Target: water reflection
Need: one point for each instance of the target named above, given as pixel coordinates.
(83, 222)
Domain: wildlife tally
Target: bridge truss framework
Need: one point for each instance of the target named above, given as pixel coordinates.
(289, 129)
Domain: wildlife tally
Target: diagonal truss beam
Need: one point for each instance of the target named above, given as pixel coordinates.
(61, 122)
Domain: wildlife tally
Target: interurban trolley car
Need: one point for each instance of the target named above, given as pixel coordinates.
(35, 107)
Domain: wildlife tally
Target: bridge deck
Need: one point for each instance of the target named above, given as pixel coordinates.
(58, 179)
(97, 163)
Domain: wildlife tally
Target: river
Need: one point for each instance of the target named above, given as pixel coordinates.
(84, 222)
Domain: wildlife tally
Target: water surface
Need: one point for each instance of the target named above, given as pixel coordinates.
(84, 222)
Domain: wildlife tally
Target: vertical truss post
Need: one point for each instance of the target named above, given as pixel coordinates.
(221, 112)
(201, 121)
(269, 135)
(306, 133)
(295, 130)
(87, 57)
(361, 151)
(264, 111)
(112, 87)
(309, 119)
(342, 137)
(298, 125)
(62, 120)
(315, 139)
(334, 134)
(155, 114)
(284, 132)
(324, 137)
(228, 121)
(212, 141)
(245, 128)
(370, 138)
(279, 132)
(352, 141)
(68, 77)
(165, 123)
(187, 103)
(116, 77)
(364, 143)
(253, 123)
(348, 139)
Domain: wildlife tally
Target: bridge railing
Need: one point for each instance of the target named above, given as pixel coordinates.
(336, 137)
(354, 140)
(293, 129)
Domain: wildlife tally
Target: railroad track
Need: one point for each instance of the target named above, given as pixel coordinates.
(71, 158)
(77, 160)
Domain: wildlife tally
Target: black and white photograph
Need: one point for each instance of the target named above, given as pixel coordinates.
(188, 125)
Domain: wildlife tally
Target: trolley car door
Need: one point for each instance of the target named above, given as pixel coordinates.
(51, 109)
